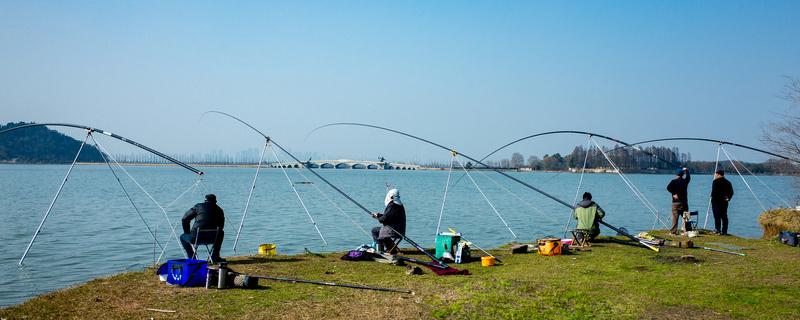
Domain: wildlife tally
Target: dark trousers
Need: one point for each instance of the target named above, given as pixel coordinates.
(188, 239)
(720, 209)
(383, 243)
(677, 215)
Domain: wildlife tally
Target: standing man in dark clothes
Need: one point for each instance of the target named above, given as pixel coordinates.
(721, 194)
(393, 217)
(206, 215)
(678, 187)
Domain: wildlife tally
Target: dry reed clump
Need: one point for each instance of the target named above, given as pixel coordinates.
(776, 220)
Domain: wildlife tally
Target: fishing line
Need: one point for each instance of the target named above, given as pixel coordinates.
(763, 208)
(484, 197)
(630, 185)
(127, 195)
(52, 203)
(339, 209)
(528, 203)
(440, 263)
(302, 203)
(250, 196)
(542, 192)
(164, 211)
(194, 187)
(762, 182)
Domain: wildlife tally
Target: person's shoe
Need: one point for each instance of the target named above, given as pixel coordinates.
(715, 232)
(723, 234)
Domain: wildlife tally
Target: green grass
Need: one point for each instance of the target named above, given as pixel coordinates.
(612, 281)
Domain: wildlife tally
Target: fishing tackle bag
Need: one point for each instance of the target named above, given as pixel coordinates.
(184, 272)
(790, 238)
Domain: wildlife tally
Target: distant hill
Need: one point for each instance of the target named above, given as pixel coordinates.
(42, 145)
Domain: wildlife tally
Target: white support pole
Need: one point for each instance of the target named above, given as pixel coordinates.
(299, 198)
(486, 199)
(716, 166)
(580, 183)
(444, 198)
(250, 196)
(744, 180)
(52, 203)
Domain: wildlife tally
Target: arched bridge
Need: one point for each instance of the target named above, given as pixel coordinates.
(347, 164)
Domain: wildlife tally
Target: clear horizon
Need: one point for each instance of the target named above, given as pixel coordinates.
(469, 76)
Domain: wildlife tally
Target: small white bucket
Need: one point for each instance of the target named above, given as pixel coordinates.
(692, 234)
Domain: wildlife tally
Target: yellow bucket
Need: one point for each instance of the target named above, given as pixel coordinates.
(487, 261)
(267, 249)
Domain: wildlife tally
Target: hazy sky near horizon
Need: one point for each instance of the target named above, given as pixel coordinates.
(471, 75)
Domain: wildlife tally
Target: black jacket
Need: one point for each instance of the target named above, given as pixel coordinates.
(721, 190)
(393, 216)
(206, 215)
(679, 186)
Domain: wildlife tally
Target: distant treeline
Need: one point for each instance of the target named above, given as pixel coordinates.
(42, 145)
(650, 159)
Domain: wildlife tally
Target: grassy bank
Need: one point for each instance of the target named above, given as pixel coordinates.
(612, 281)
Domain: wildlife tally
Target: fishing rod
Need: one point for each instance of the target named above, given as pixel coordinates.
(89, 131)
(725, 251)
(441, 263)
(332, 284)
(110, 134)
(722, 142)
(542, 192)
(591, 134)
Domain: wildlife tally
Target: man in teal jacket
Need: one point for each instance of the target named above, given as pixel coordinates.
(588, 214)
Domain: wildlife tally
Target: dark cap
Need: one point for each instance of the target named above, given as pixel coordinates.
(587, 196)
(679, 172)
(720, 172)
(211, 197)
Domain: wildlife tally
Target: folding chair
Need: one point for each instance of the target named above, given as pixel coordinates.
(204, 237)
(395, 243)
(581, 238)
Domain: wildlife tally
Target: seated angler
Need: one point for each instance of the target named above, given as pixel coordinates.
(210, 218)
(588, 214)
(393, 220)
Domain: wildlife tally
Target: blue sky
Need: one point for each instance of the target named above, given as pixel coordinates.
(473, 75)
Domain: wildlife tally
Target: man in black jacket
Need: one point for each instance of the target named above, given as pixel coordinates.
(207, 215)
(721, 194)
(679, 187)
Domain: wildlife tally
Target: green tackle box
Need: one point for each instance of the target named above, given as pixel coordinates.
(447, 242)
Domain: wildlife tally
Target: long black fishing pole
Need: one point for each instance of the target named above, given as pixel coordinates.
(722, 142)
(333, 284)
(542, 192)
(407, 239)
(110, 134)
(591, 134)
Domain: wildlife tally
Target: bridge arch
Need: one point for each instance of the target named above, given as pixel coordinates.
(327, 166)
(359, 166)
(372, 167)
(342, 166)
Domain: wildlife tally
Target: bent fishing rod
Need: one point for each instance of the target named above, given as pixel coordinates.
(540, 191)
(89, 131)
(719, 142)
(590, 134)
(110, 134)
(441, 263)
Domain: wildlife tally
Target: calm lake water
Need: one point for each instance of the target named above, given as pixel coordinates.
(94, 231)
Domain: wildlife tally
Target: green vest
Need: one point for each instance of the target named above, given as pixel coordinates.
(587, 218)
